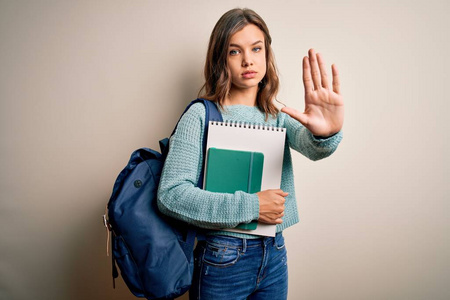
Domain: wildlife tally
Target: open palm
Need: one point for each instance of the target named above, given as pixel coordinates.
(324, 106)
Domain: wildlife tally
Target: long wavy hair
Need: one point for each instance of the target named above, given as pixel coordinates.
(217, 74)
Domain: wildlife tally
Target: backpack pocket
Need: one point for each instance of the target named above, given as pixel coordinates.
(128, 268)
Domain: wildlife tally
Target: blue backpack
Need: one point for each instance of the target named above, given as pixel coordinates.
(153, 252)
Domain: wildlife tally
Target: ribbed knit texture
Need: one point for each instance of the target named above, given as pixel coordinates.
(179, 197)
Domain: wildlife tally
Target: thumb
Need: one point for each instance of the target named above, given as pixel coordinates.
(295, 114)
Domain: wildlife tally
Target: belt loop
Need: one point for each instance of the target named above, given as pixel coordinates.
(275, 240)
(244, 245)
(277, 235)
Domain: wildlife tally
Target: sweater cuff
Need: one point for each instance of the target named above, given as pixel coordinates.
(332, 140)
(255, 206)
(318, 137)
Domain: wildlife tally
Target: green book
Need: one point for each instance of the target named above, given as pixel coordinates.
(228, 171)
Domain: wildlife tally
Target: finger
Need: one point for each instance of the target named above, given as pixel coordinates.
(267, 220)
(281, 193)
(295, 114)
(307, 81)
(276, 219)
(281, 202)
(336, 83)
(323, 71)
(315, 71)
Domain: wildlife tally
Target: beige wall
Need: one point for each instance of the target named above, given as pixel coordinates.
(83, 83)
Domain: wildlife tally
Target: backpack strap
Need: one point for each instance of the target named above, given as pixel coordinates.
(212, 114)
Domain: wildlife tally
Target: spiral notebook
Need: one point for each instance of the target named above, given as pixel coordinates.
(268, 140)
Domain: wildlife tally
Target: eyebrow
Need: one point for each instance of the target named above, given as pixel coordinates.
(236, 45)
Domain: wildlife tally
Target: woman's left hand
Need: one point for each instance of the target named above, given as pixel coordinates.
(324, 106)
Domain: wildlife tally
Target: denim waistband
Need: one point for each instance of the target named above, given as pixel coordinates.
(236, 242)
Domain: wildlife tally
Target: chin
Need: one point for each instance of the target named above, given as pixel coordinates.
(250, 83)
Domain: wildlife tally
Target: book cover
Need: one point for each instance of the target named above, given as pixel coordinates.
(228, 171)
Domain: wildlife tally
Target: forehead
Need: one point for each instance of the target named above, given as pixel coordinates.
(247, 35)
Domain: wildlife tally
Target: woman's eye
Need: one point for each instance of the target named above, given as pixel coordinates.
(234, 52)
(257, 49)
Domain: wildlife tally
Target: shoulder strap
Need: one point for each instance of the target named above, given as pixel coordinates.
(212, 114)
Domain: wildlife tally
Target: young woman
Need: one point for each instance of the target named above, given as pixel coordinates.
(241, 79)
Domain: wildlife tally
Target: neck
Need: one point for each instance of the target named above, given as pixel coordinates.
(242, 96)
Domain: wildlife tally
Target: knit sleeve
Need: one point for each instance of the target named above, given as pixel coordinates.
(303, 141)
(178, 196)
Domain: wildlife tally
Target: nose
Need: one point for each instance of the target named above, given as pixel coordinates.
(246, 60)
(246, 63)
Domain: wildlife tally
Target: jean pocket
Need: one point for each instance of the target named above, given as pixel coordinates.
(220, 256)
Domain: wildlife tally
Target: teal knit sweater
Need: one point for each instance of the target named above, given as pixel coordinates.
(179, 197)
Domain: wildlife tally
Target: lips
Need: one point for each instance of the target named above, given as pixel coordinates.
(249, 74)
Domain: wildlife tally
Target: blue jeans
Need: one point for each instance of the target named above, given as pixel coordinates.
(237, 269)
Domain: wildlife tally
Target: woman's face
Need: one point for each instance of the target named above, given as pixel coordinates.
(247, 58)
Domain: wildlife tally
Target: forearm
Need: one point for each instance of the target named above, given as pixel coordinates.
(208, 210)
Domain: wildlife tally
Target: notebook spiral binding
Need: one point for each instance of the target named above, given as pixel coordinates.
(247, 125)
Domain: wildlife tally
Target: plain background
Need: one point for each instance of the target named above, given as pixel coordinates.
(83, 83)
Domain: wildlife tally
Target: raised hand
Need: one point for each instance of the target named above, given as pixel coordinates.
(324, 106)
